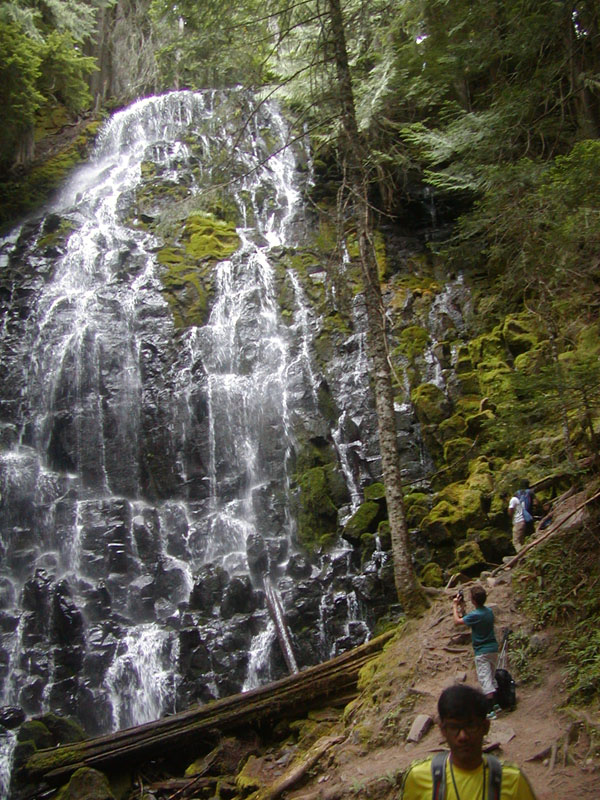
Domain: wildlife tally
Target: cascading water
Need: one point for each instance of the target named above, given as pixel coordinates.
(149, 556)
(145, 469)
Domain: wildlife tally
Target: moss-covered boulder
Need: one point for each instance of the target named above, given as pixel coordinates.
(317, 513)
(468, 382)
(495, 381)
(469, 559)
(452, 428)
(86, 784)
(464, 362)
(432, 575)
(35, 731)
(520, 333)
(458, 508)
(476, 422)
(249, 779)
(430, 402)
(416, 508)
(206, 237)
(494, 543)
(375, 491)
(63, 730)
(456, 450)
(489, 346)
(368, 545)
(412, 342)
(364, 520)
(481, 476)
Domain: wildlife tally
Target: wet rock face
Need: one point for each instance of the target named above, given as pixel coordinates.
(148, 472)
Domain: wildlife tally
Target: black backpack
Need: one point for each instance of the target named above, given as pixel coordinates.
(438, 774)
(506, 693)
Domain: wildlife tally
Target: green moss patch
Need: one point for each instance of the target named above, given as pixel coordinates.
(205, 236)
(430, 403)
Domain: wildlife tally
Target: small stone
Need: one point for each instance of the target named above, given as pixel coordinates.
(460, 677)
(419, 728)
(503, 735)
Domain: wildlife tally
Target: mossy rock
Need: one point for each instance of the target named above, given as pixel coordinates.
(375, 491)
(533, 360)
(437, 531)
(314, 452)
(520, 333)
(317, 513)
(64, 730)
(452, 428)
(487, 346)
(456, 450)
(458, 508)
(21, 755)
(495, 380)
(468, 383)
(327, 405)
(481, 477)
(86, 784)
(249, 778)
(205, 236)
(477, 422)
(17, 197)
(415, 514)
(416, 497)
(364, 520)
(368, 545)
(33, 730)
(432, 575)
(469, 559)
(469, 404)
(464, 363)
(494, 543)
(412, 342)
(431, 404)
(170, 255)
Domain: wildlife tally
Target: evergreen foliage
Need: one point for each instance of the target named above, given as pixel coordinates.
(41, 63)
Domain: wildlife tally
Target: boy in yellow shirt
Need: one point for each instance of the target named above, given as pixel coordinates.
(466, 773)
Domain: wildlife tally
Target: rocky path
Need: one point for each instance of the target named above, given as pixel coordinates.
(553, 747)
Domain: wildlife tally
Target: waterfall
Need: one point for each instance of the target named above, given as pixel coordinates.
(144, 467)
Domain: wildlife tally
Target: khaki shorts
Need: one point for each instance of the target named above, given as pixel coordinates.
(485, 664)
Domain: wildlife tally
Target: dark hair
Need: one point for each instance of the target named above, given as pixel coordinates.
(524, 484)
(478, 595)
(462, 702)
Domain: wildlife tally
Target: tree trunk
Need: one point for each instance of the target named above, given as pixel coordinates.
(409, 591)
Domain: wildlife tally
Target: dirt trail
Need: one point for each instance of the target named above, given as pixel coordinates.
(551, 746)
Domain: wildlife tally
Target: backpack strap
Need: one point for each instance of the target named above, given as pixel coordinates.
(438, 775)
(495, 779)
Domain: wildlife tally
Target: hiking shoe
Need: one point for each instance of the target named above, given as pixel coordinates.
(496, 708)
(491, 715)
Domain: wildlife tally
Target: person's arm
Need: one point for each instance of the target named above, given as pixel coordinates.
(511, 507)
(456, 612)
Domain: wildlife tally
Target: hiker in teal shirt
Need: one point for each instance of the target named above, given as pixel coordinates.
(483, 639)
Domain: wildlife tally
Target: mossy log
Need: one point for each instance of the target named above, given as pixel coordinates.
(289, 697)
(298, 771)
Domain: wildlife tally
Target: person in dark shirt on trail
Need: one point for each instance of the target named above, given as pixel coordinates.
(483, 639)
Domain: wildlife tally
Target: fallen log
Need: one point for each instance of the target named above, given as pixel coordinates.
(298, 771)
(190, 730)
